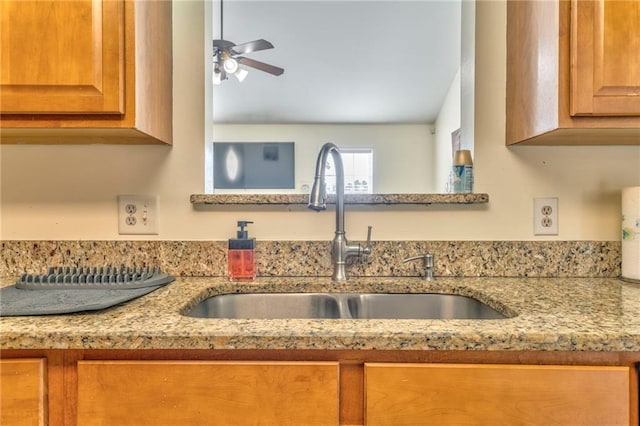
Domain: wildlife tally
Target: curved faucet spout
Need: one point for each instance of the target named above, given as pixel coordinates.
(318, 195)
(340, 248)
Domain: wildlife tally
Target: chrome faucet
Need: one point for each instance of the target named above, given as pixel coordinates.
(427, 263)
(341, 249)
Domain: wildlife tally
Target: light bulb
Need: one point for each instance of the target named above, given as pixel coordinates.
(241, 74)
(216, 78)
(230, 65)
(218, 74)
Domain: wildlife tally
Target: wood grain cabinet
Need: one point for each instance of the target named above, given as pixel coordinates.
(85, 71)
(23, 392)
(471, 394)
(306, 387)
(207, 392)
(573, 72)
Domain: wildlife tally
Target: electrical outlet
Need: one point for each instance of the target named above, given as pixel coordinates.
(545, 216)
(137, 214)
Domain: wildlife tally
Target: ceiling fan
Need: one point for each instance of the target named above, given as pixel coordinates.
(227, 57)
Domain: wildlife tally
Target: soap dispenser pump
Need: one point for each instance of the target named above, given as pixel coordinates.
(241, 259)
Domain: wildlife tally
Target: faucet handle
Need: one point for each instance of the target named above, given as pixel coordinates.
(367, 248)
(428, 258)
(427, 263)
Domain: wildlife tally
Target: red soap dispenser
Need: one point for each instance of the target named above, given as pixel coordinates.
(241, 258)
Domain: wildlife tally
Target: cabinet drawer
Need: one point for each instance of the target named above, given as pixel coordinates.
(399, 394)
(207, 392)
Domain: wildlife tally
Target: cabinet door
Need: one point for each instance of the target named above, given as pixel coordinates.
(402, 394)
(605, 57)
(22, 392)
(207, 392)
(62, 57)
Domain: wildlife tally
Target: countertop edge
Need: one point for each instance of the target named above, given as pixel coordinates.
(553, 314)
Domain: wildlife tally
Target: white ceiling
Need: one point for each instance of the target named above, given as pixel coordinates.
(345, 61)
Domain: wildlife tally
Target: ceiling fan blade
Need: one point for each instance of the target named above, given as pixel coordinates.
(261, 66)
(223, 44)
(252, 46)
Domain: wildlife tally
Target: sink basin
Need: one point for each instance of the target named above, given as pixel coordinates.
(267, 306)
(419, 306)
(343, 306)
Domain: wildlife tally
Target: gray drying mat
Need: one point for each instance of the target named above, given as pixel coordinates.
(120, 278)
(66, 290)
(15, 301)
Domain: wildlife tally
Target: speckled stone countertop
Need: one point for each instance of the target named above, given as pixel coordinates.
(369, 199)
(549, 314)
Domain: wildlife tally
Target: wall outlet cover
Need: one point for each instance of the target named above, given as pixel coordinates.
(138, 214)
(545, 216)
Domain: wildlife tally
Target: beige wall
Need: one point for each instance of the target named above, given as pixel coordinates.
(68, 192)
(447, 122)
(403, 154)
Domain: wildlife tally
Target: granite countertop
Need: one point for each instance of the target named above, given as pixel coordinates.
(370, 199)
(550, 314)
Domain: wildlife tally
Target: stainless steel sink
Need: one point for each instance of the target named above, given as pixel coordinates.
(419, 306)
(343, 306)
(267, 306)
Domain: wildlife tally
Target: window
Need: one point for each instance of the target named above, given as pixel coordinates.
(358, 171)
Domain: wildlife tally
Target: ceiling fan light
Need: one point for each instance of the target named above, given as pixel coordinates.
(230, 65)
(218, 75)
(241, 74)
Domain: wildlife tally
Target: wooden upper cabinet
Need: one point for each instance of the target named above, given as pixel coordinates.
(86, 71)
(62, 57)
(573, 72)
(605, 57)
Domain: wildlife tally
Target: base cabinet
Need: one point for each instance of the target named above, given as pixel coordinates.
(23, 392)
(179, 387)
(457, 394)
(207, 392)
